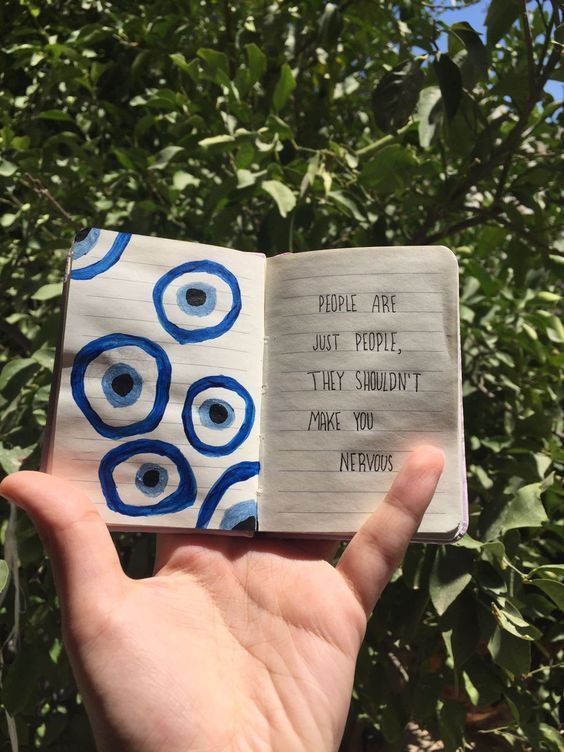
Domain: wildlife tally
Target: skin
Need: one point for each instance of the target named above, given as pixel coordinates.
(234, 644)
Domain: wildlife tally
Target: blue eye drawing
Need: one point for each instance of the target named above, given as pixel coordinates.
(224, 411)
(197, 299)
(120, 385)
(90, 238)
(150, 480)
(241, 516)
(216, 414)
(208, 293)
(235, 474)
(84, 241)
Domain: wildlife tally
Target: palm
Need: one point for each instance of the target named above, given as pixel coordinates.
(264, 638)
(233, 643)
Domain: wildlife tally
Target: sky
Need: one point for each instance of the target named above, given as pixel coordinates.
(476, 15)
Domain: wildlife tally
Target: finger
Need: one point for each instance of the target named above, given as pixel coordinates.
(85, 562)
(375, 551)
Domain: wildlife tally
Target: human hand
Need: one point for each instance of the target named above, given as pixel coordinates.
(234, 643)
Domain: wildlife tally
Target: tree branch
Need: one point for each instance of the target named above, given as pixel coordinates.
(529, 47)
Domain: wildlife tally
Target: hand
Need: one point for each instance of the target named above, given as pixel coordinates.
(233, 644)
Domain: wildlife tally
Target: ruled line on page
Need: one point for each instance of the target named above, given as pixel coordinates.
(340, 449)
(363, 274)
(148, 301)
(348, 349)
(354, 370)
(361, 391)
(168, 266)
(347, 410)
(143, 321)
(164, 342)
(341, 472)
(375, 430)
(367, 292)
(343, 313)
(383, 331)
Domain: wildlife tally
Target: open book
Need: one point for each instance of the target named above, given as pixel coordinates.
(203, 387)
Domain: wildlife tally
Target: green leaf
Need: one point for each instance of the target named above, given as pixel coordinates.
(284, 197)
(13, 368)
(215, 60)
(450, 83)
(391, 168)
(164, 156)
(556, 569)
(285, 86)
(510, 652)
(449, 576)
(330, 25)
(256, 61)
(4, 575)
(11, 459)
(477, 51)
(48, 292)
(500, 17)
(56, 115)
(525, 509)
(396, 94)
(45, 357)
(7, 168)
(218, 143)
(430, 114)
(510, 619)
(552, 588)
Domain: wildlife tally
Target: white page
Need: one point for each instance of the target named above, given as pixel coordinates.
(391, 323)
(120, 299)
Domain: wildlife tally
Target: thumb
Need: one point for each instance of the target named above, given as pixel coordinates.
(85, 563)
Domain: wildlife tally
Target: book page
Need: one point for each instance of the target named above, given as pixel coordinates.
(361, 366)
(158, 413)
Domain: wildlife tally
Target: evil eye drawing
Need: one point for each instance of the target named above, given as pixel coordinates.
(197, 301)
(121, 383)
(218, 415)
(241, 516)
(84, 241)
(146, 477)
(100, 250)
(235, 474)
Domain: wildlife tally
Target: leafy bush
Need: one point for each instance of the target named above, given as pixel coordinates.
(305, 126)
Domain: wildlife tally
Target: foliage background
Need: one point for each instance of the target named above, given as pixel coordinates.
(303, 126)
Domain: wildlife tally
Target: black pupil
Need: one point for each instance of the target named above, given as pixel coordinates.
(218, 413)
(151, 478)
(81, 234)
(122, 384)
(195, 297)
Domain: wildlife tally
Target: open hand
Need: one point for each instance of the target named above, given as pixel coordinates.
(234, 644)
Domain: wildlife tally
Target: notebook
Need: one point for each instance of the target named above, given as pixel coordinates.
(199, 387)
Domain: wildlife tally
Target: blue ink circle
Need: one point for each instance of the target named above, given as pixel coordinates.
(122, 371)
(239, 472)
(151, 479)
(207, 332)
(201, 291)
(82, 245)
(215, 418)
(109, 342)
(223, 382)
(237, 514)
(183, 497)
(110, 258)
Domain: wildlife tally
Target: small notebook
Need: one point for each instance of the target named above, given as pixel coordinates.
(205, 388)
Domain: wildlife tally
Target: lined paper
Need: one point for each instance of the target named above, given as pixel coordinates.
(120, 300)
(361, 366)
